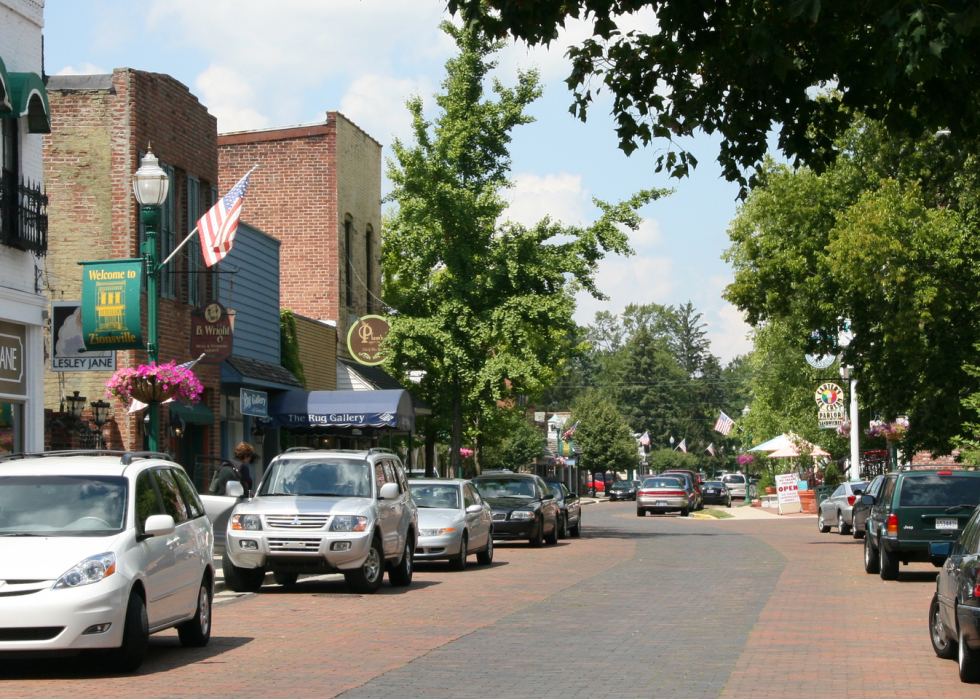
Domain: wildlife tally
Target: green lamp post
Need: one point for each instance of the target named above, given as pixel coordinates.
(150, 187)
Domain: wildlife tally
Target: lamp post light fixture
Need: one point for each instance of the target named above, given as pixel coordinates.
(176, 425)
(258, 434)
(100, 415)
(76, 404)
(150, 187)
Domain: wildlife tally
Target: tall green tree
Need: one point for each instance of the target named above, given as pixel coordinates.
(481, 304)
(603, 434)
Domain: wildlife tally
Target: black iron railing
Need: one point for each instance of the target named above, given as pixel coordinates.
(23, 215)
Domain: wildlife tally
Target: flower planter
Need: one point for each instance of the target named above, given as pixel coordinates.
(770, 491)
(808, 501)
(147, 390)
(155, 383)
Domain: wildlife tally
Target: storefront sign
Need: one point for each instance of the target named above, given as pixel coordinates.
(821, 361)
(111, 305)
(364, 339)
(831, 409)
(788, 491)
(68, 342)
(254, 403)
(566, 448)
(212, 332)
(12, 358)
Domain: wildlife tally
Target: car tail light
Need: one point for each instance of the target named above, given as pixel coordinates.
(944, 473)
(672, 493)
(893, 524)
(646, 492)
(851, 499)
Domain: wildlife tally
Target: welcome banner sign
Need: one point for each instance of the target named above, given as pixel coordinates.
(111, 292)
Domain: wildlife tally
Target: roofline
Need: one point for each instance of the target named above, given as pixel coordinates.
(282, 133)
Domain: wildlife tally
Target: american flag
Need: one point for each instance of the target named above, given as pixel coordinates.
(645, 439)
(724, 424)
(711, 449)
(570, 432)
(218, 226)
(683, 445)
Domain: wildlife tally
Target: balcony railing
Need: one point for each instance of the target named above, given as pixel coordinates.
(23, 215)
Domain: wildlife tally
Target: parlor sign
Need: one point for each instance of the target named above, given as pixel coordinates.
(212, 330)
(831, 411)
(365, 337)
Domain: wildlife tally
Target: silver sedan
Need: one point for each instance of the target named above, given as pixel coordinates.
(454, 522)
(836, 510)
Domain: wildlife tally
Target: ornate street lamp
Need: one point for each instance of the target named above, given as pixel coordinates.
(76, 404)
(258, 434)
(176, 425)
(150, 187)
(100, 415)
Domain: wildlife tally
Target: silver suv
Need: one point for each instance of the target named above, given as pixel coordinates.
(336, 511)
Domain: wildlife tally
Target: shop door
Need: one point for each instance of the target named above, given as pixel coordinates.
(191, 445)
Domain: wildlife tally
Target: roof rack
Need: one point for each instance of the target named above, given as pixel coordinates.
(126, 457)
(380, 450)
(295, 449)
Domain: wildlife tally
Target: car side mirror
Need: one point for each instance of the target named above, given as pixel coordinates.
(474, 509)
(939, 552)
(389, 491)
(867, 499)
(234, 489)
(548, 496)
(158, 525)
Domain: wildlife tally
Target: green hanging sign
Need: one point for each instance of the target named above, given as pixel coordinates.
(566, 448)
(111, 291)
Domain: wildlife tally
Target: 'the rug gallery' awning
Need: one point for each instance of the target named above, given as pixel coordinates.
(311, 409)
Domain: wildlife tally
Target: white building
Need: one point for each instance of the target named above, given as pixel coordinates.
(24, 117)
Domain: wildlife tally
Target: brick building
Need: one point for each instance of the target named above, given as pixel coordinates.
(318, 190)
(101, 127)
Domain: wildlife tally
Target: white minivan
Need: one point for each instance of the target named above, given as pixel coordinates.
(100, 551)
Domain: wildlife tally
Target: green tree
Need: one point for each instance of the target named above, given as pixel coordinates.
(482, 306)
(661, 460)
(603, 434)
(744, 70)
(511, 441)
(650, 386)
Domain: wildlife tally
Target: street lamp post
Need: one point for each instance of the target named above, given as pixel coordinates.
(748, 485)
(150, 187)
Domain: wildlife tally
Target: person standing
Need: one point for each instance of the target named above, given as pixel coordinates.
(244, 457)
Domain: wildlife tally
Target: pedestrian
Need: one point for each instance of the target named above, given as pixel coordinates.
(244, 457)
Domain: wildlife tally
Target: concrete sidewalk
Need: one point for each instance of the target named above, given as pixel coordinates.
(757, 513)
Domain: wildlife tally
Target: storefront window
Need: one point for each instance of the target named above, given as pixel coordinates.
(11, 428)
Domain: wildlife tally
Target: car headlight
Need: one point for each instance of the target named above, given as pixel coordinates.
(522, 514)
(436, 532)
(348, 523)
(247, 522)
(91, 570)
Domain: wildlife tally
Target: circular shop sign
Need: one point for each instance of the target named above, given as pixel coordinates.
(821, 361)
(829, 394)
(364, 339)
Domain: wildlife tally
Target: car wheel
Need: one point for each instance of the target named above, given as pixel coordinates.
(197, 632)
(855, 532)
(458, 562)
(684, 512)
(401, 574)
(641, 512)
(552, 538)
(576, 531)
(285, 579)
(367, 579)
(241, 579)
(969, 663)
(842, 528)
(537, 540)
(136, 637)
(942, 644)
(822, 526)
(870, 556)
(729, 504)
(562, 527)
(485, 557)
(887, 564)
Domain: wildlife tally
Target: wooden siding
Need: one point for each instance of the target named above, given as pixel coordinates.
(318, 352)
(253, 293)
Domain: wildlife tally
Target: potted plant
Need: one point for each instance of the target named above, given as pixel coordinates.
(155, 383)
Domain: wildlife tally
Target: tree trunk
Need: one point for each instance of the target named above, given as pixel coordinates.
(456, 437)
(430, 453)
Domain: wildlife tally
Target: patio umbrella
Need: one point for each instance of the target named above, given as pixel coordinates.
(773, 444)
(791, 451)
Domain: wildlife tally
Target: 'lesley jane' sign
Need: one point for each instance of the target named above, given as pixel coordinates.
(111, 304)
(68, 343)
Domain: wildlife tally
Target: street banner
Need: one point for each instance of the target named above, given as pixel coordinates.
(788, 491)
(212, 333)
(254, 403)
(364, 339)
(68, 344)
(111, 291)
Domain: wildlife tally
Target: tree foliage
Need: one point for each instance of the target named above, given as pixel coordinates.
(744, 70)
(510, 440)
(481, 304)
(603, 435)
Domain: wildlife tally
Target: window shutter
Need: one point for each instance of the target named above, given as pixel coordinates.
(193, 251)
(168, 239)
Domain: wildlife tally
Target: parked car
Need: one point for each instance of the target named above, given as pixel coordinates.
(693, 485)
(836, 510)
(735, 483)
(454, 522)
(623, 490)
(320, 511)
(954, 615)
(569, 509)
(913, 509)
(717, 493)
(98, 551)
(600, 483)
(523, 507)
(860, 511)
(666, 493)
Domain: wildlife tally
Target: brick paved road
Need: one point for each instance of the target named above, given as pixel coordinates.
(638, 607)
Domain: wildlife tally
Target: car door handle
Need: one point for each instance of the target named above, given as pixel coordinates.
(172, 542)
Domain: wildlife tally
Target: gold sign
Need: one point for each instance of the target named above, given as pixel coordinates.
(365, 337)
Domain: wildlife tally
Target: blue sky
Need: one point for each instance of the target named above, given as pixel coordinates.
(256, 63)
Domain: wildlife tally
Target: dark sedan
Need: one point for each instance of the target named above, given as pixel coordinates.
(523, 507)
(623, 490)
(717, 493)
(861, 510)
(569, 509)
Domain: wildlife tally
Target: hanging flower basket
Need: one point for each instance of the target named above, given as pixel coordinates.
(892, 431)
(155, 383)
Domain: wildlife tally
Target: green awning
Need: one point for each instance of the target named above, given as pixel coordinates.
(5, 104)
(29, 98)
(198, 414)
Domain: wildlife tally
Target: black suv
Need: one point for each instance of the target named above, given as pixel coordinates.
(523, 507)
(913, 509)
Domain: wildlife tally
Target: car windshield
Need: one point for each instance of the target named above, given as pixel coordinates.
(622, 486)
(663, 483)
(442, 496)
(714, 484)
(857, 487)
(555, 490)
(62, 505)
(350, 478)
(505, 488)
(734, 479)
(934, 490)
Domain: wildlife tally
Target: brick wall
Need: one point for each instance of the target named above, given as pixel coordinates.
(310, 179)
(318, 353)
(90, 157)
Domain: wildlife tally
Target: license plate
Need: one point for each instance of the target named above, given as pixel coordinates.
(661, 503)
(947, 524)
(711, 491)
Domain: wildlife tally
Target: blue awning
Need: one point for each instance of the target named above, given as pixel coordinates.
(391, 409)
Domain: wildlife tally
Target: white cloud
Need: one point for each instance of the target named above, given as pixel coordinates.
(83, 69)
(647, 236)
(229, 97)
(559, 196)
(729, 333)
(627, 280)
(376, 103)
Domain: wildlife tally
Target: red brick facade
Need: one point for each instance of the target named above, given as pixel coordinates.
(100, 126)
